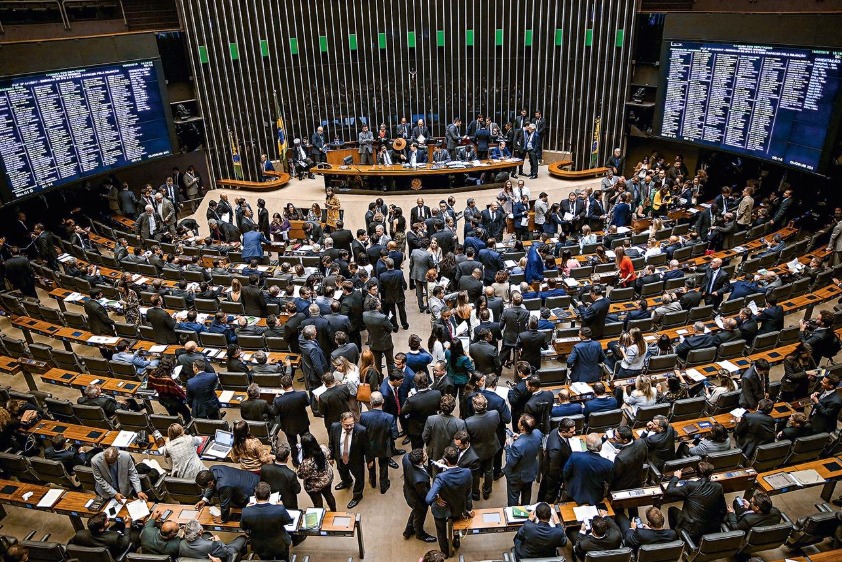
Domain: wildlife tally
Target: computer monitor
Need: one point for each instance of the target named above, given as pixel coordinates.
(348, 160)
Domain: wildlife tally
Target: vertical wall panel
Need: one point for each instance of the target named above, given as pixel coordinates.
(571, 83)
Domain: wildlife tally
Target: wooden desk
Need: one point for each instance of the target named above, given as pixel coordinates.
(828, 468)
(781, 411)
(124, 221)
(556, 171)
(568, 516)
(333, 525)
(76, 434)
(109, 385)
(488, 521)
(272, 356)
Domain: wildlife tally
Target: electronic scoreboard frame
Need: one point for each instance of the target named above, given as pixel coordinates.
(157, 120)
(801, 140)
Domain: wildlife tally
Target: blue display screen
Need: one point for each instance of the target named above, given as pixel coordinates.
(63, 126)
(770, 102)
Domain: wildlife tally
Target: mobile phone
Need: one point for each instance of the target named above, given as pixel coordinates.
(509, 432)
(601, 507)
(637, 521)
(739, 499)
(166, 515)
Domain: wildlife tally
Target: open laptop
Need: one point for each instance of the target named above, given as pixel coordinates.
(221, 445)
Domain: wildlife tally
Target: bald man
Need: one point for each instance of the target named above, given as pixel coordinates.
(159, 537)
(191, 353)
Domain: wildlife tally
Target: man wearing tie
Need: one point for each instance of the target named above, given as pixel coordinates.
(349, 446)
(415, 156)
(265, 166)
(319, 146)
(531, 147)
(453, 137)
(403, 129)
(420, 133)
(171, 191)
(383, 157)
(365, 140)
(540, 125)
(716, 283)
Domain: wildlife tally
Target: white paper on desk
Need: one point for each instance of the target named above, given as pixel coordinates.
(623, 229)
(610, 254)
(113, 507)
(695, 375)
(581, 388)
(226, 396)
(807, 477)
(753, 306)
(50, 498)
(728, 366)
(567, 216)
(72, 297)
(158, 349)
(570, 282)
(296, 519)
(103, 339)
(124, 439)
(510, 264)
(738, 412)
(585, 512)
(681, 332)
(137, 510)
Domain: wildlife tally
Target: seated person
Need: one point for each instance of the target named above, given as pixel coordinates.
(196, 545)
(604, 534)
(539, 537)
(544, 322)
(109, 533)
(564, 407)
(137, 358)
(68, 455)
(601, 402)
(653, 532)
(757, 512)
(160, 537)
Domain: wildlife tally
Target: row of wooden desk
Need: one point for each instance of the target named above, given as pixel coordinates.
(73, 504)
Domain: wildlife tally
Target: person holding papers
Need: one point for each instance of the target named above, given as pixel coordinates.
(539, 537)
(755, 428)
(704, 503)
(98, 321)
(115, 475)
(102, 532)
(753, 384)
(586, 473)
(232, 485)
(264, 523)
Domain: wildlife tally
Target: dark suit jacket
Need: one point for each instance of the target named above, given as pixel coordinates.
(513, 322)
(438, 433)
(583, 361)
(453, 486)
(522, 457)
(282, 480)
(752, 389)
(392, 286)
(635, 538)
(382, 430)
(697, 341)
(719, 286)
(600, 404)
(256, 410)
(201, 395)
(359, 444)
(661, 446)
(469, 459)
(530, 343)
(594, 315)
(473, 286)
(690, 300)
(98, 321)
(628, 466)
(539, 540)
(418, 408)
(486, 357)
(771, 319)
(20, 274)
(587, 476)
(612, 539)
(748, 519)
(416, 483)
(333, 403)
(291, 409)
(483, 431)
(264, 524)
(254, 301)
(704, 505)
(379, 330)
(824, 414)
(163, 324)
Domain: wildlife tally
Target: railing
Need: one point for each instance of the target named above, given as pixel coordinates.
(63, 8)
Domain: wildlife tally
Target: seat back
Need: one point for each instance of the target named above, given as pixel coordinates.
(260, 430)
(683, 463)
(76, 320)
(92, 415)
(266, 380)
(614, 555)
(206, 305)
(598, 422)
(688, 409)
(700, 313)
(651, 289)
(43, 551)
(52, 472)
(643, 324)
(552, 375)
(41, 352)
(725, 403)
(813, 529)
(213, 340)
(647, 413)
(730, 308)
(138, 557)
(85, 476)
(788, 335)
(662, 363)
(674, 319)
(233, 381)
(61, 410)
(277, 344)
(717, 545)
(731, 349)
(700, 356)
(767, 537)
(662, 552)
(17, 466)
(726, 460)
(90, 553)
(98, 366)
(123, 370)
(622, 295)
(807, 448)
(65, 360)
(252, 342)
(182, 490)
(133, 421)
(764, 342)
(202, 426)
(231, 307)
(770, 455)
(162, 422)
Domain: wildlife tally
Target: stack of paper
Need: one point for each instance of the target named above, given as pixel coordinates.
(50, 498)
(738, 412)
(807, 477)
(728, 366)
(226, 396)
(581, 388)
(608, 451)
(138, 510)
(313, 517)
(753, 307)
(794, 266)
(585, 512)
(124, 439)
(695, 375)
(296, 519)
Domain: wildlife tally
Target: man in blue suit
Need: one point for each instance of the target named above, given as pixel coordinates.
(583, 361)
(201, 393)
(390, 389)
(265, 524)
(501, 151)
(601, 402)
(586, 474)
(537, 539)
(450, 498)
(253, 241)
(234, 487)
(522, 462)
(382, 431)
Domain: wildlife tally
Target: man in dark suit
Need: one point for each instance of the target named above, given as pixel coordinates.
(418, 407)
(379, 335)
(601, 402)
(537, 538)
(826, 405)
(513, 322)
(161, 322)
(469, 265)
(420, 212)
(482, 427)
(574, 209)
(281, 479)
(540, 402)
(704, 503)
(494, 221)
(291, 408)
(557, 451)
(416, 486)
(531, 342)
(755, 428)
(747, 325)
(604, 535)
(440, 428)
(467, 454)
(450, 498)
(393, 289)
(352, 306)
(660, 441)
(744, 514)
(264, 523)
(334, 401)
(584, 360)
(782, 214)
(382, 430)
(472, 284)
(593, 315)
(201, 393)
(521, 467)
(628, 464)
(586, 474)
(98, 321)
(771, 318)
(653, 532)
(232, 485)
(102, 533)
(716, 283)
(753, 384)
(705, 220)
(253, 299)
(349, 446)
(485, 355)
(699, 340)
(20, 274)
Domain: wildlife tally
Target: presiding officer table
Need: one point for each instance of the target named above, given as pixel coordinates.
(427, 175)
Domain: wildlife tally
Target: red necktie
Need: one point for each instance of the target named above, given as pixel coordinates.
(397, 401)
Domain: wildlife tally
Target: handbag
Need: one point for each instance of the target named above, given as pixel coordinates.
(364, 392)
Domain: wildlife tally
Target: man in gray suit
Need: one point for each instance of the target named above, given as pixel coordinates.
(440, 428)
(115, 475)
(196, 545)
(420, 262)
(149, 224)
(453, 137)
(482, 427)
(379, 335)
(167, 212)
(366, 142)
